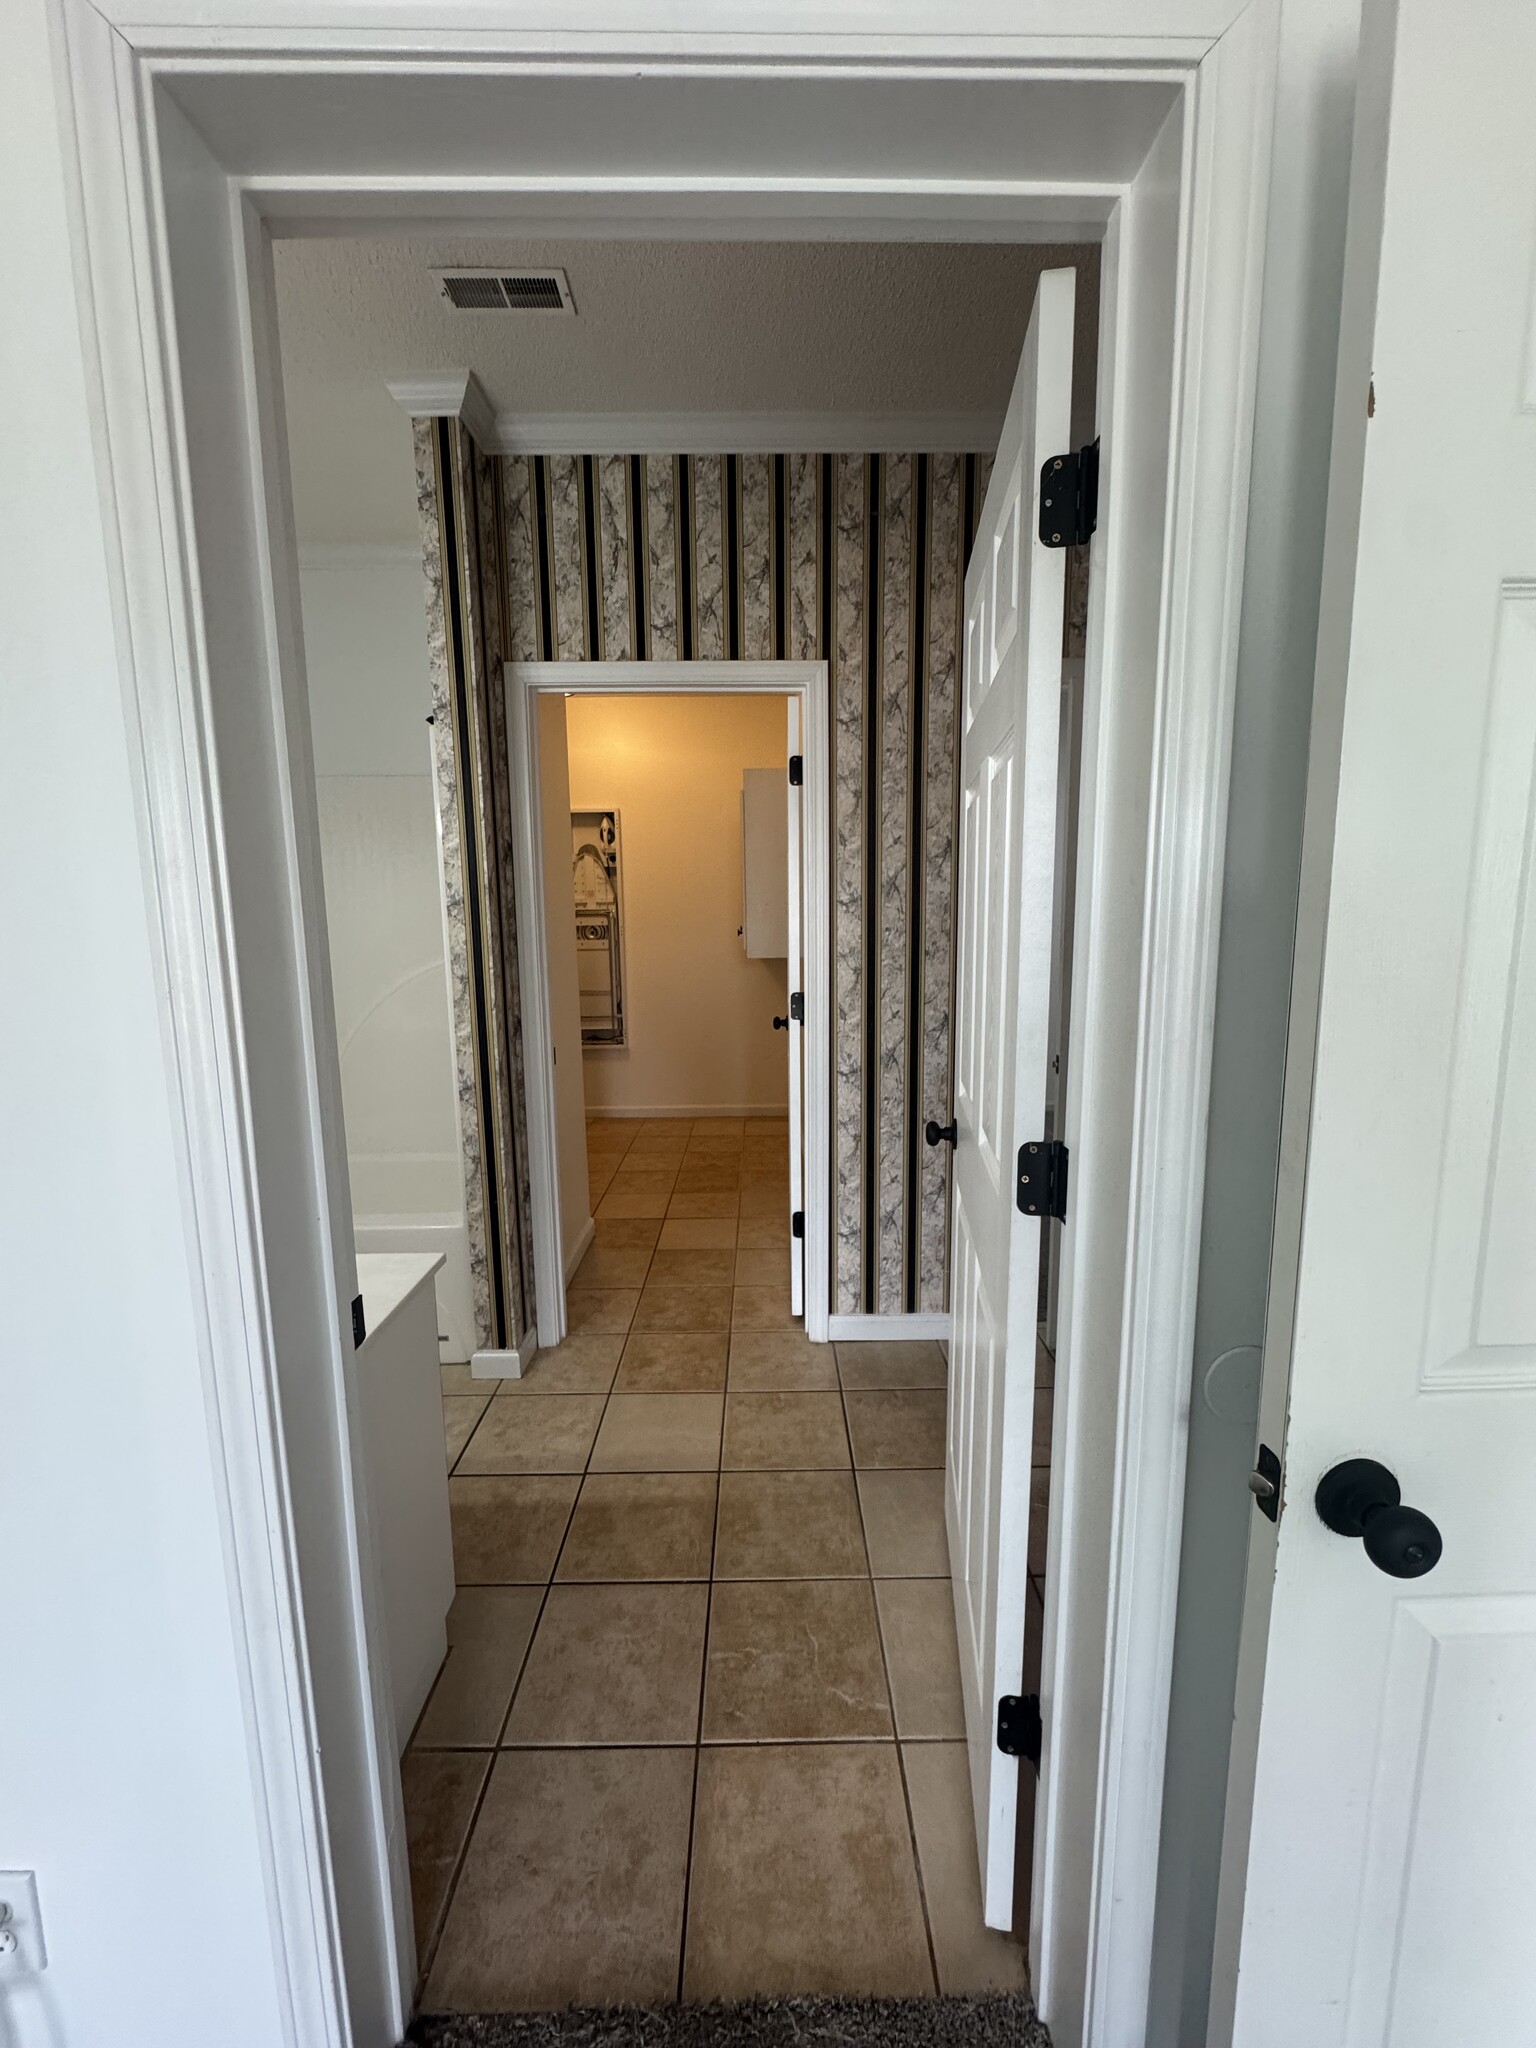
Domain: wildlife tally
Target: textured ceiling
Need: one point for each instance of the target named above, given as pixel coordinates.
(660, 327)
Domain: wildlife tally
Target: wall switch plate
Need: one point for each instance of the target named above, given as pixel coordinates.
(21, 1920)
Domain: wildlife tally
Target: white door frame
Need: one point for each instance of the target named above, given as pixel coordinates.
(196, 130)
(526, 682)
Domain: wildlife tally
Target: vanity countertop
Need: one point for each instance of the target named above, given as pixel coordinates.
(386, 1279)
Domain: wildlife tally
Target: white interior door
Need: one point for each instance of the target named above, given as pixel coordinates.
(1391, 1865)
(795, 975)
(1014, 594)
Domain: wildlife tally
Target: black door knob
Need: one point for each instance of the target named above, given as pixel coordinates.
(941, 1134)
(1361, 1498)
(781, 1023)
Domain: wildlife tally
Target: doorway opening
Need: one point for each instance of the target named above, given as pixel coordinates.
(1168, 175)
(736, 1642)
(681, 1519)
(681, 967)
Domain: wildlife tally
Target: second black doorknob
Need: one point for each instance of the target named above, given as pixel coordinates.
(1363, 1499)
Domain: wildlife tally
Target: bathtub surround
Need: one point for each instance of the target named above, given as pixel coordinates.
(856, 560)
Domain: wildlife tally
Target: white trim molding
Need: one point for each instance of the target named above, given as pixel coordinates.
(743, 433)
(503, 1365)
(906, 1329)
(459, 395)
(186, 402)
(451, 395)
(809, 680)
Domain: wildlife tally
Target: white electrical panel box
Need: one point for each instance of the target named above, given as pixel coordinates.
(765, 863)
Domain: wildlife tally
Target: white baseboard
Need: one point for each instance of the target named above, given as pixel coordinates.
(887, 1329)
(504, 1365)
(608, 1110)
(578, 1251)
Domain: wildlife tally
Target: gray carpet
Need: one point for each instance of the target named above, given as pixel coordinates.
(998, 2020)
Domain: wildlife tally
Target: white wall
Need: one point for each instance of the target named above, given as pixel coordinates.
(1292, 438)
(125, 1777)
(564, 995)
(365, 645)
(699, 1012)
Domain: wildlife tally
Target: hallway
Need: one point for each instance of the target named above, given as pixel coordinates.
(699, 1733)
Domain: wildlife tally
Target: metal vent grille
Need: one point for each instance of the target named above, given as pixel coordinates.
(534, 293)
(474, 294)
(495, 291)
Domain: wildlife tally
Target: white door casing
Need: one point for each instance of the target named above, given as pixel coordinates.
(805, 685)
(1392, 1837)
(1168, 158)
(794, 975)
(1009, 734)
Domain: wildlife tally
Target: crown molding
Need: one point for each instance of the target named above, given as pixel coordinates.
(744, 433)
(458, 394)
(451, 394)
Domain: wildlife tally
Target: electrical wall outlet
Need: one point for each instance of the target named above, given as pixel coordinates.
(21, 1925)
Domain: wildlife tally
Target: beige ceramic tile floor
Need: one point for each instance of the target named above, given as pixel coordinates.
(699, 1731)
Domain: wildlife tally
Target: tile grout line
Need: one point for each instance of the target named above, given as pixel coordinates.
(441, 1918)
(424, 1967)
(885, 1665)
(428, 1955)
(709, 1618)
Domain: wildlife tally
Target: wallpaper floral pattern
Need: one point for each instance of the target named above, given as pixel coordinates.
(459, 501)
(857, 560)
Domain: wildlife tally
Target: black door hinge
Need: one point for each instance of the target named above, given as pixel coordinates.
(797, 1224)
(359, 1327)
(1042, 1189)
(1264, 1483)
(796, 770)
(1069, 498)
(1018, 1726)
(797, 1007)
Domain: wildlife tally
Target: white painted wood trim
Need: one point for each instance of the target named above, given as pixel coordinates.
(549, 1272)
(1123, 33)
(458, 394)
(743, 433)
(524, 681)
(908, 1329)
(1223, 199)
(120, 234)
(504, 1365)
(161, 602)
(816, 953)
(452, 394)
(576, 1252)
(668, 678)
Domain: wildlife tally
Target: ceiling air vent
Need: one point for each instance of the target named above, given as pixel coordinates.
(502, 291)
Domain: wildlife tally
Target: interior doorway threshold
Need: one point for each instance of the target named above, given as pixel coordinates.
(990, 2020)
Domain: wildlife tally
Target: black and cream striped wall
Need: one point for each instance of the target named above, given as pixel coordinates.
(458, 500)
(857, 560)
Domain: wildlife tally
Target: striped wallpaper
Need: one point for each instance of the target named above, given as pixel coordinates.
(858, 560)
(459, 501)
